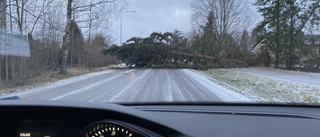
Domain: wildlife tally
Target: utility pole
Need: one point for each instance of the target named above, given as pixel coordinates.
(121, 24)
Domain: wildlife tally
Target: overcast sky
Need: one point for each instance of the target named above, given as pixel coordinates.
(152, 16)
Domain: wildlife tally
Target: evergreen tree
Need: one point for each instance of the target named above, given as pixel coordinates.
(77, 48)
(245, 40)
(208, 37)
(271, 12)
(284, 21)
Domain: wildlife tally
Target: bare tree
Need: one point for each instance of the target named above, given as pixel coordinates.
(3, 12)
(66, 39)
(228, 15)
(229, 19)
(3, 25)
(47, 26)
(20, 4)
(94, 18)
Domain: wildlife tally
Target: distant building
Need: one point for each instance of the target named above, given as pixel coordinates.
(312, 42)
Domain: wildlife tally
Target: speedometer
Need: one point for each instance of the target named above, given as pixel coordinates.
(110, 129)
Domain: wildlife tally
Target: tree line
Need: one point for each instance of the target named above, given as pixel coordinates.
(66, 34)
(172, 50)
(156, 50)
(287, 37)
(291, 29)
(44, 22)
(215, 41)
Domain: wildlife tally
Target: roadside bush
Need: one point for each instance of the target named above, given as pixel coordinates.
(262, 59)
(309, 66)
(200, 67)
(233, 64)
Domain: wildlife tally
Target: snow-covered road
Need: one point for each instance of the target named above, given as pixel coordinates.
(136, 85)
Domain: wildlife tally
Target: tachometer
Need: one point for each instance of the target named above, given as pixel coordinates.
(110, 129)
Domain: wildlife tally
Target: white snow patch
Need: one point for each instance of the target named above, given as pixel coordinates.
(221, 92)
(307, 78)
(59, 83)
(266, 88)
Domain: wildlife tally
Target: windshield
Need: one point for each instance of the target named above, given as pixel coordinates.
(143, 51)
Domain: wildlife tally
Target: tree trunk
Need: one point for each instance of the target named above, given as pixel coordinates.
(290, 48)
(66, 40)
(3, 25)
(89, 37)
(20, 14)
(290, 53)
(276, 65)
(0, 70)
(12, 68)
(7, 68)
(3, 13)
(318, 56)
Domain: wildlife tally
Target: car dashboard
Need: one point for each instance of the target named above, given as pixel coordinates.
(72, 119)
(83, 119)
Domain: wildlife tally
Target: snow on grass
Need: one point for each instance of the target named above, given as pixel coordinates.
(223, 93)
(59, 83)
(47, 77)
(292, 76)
(264, 89)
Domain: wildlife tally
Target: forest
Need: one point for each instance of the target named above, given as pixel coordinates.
(47, 25)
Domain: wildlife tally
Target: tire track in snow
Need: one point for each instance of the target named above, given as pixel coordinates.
(140, 85)
(84, 88)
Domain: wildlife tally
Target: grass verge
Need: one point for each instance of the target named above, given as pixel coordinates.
(264, 89)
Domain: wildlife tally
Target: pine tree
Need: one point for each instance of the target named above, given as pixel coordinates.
(272, 11)
(245, 40)
(285, 20)
(210, 46)
(77, 48)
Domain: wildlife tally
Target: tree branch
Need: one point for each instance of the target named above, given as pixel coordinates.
(94, 4)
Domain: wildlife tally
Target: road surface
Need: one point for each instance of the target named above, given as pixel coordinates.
(136, 85)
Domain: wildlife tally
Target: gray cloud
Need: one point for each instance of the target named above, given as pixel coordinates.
(161, 16)
(152, 16)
